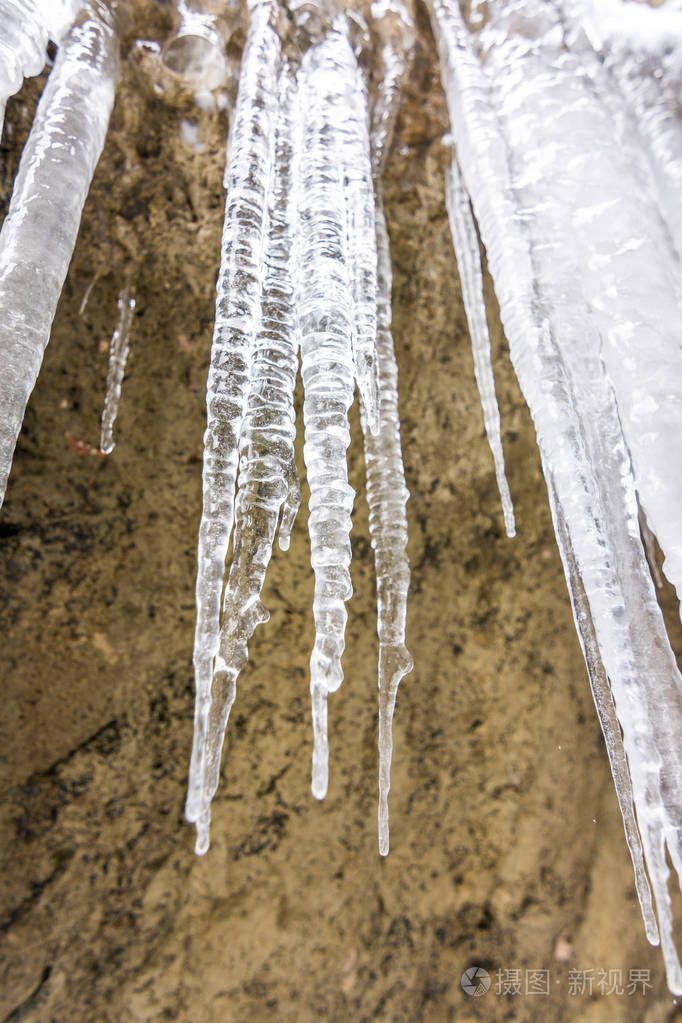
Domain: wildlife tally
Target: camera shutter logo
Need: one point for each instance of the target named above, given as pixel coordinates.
(475, 981)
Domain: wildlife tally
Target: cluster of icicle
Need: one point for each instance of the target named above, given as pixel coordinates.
(568, 142)
(571, 151)
(305, 272)
(52, 183)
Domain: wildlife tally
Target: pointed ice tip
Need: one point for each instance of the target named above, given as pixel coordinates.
(284, 542)
(202, 842)
(319, 785)
(651, 931)
(383, 824)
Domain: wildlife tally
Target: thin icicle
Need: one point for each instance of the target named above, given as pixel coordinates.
(268, 480)
(393, 27)
(465, 241)
(386, 497)
(386, 490)
(250, 153)
(40, 229)
(354, 131)
(326, 309)
(119, 348)
(555, 308)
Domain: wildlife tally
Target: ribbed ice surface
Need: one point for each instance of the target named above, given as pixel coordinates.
(40, 229)
(585, 277)
(326, 317)
(386, 490)
(119, 348)
(465, 241)
(386, 497)
(268, 482)
(239, 288)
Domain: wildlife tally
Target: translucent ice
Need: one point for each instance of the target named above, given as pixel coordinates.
(465, 241)
(39, 232)
(239, 287)
(328, 368)
(119, 348)
(386, 490)
(586, 278)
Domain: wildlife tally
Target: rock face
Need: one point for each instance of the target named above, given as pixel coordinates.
(507, 847)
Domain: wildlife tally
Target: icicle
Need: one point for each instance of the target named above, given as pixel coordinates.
(393, 26)
(606, 709)
(386, 497)
(386, 490)
(119, 349)
(23, 41)
(360, 227)
(465, 241)
(326, 311)
(636, 170)
(268, 480)
(239, 288)
(39, 232)
(534, 151)
(196, 52)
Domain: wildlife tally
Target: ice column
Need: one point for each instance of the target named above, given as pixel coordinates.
(40, 229)
(386, 490)
(571, 232)
(239, 288)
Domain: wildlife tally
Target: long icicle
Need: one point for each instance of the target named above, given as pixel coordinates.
(467, 253)
(387, 494)
(606, 709)
(328, 369)
(555, 325)
(39, 232)
(250, 153)
(268, 482)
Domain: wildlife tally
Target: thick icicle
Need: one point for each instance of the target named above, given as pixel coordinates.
(531, 137)
(23, 42)
(40, 229)
(630, 236)
(465, 241)
(119, 348)
(326, 318)
(268, 482)
(25, 27)
(250, 153)
(386, 490)
(197, 50)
